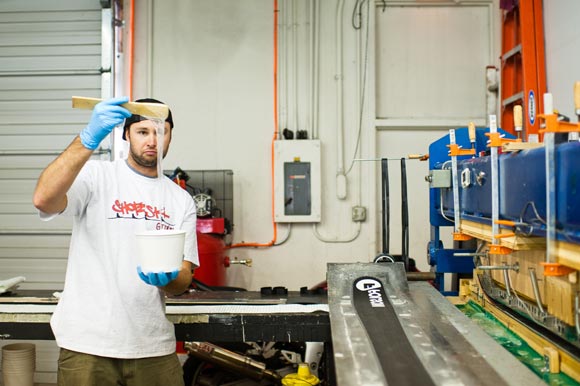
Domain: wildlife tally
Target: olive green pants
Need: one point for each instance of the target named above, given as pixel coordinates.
(78, 369)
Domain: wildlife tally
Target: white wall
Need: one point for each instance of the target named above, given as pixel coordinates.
(562, 39)
(212, 62)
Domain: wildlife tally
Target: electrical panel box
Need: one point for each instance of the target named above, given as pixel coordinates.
(297, 181)
(297, 190)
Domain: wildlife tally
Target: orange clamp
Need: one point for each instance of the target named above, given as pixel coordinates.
(495, 140)
(458, 236)
(504, 235)
(499, 250)
(556, 269)
(508, 223)
(455, 150)
(555, 126)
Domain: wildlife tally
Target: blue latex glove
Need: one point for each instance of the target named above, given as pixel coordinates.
(106, 115)
(159, 279)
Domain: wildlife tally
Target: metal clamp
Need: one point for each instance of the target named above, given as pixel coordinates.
(469, 254)
(504, 267)
(577, 313)
(534, 280)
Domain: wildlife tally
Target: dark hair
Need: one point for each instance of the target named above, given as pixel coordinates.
(137, 118)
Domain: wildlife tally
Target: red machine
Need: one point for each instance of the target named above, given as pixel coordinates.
(212, 225)
(212, 252)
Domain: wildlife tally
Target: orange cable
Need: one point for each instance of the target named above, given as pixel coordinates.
(275, 236)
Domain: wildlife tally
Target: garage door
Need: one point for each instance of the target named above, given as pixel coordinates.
(49, 51)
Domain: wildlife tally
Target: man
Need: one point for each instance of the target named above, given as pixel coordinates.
(110, 322)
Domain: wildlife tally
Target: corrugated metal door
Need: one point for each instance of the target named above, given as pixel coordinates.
(49, 51)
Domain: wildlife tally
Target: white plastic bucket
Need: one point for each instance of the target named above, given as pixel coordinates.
(160, 250)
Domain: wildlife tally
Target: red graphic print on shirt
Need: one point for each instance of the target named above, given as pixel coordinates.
(142, 211)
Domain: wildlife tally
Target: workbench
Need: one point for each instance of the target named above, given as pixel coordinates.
(218, 316)
(380, 328)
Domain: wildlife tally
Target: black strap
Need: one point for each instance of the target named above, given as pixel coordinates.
(386, 204)
(404, 216)
(399, 362)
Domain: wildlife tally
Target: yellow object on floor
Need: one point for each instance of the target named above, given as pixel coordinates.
(301, 378)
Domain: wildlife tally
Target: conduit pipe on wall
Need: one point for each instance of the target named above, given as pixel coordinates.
(311, 67)
(340, 175)
(357, 231)
(274, 138)
(314, 55)
(491, 89)
(363, 69)
(150, 47)
(131, 49)
(295, 71)
(121, 71)
(283, 70)
(359, 109)
(118, 72)
(286, 68)
(336, 239)
(315, 28)
(286, 51)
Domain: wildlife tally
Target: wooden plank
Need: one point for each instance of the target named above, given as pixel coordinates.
(560, 295)
(517, 146)
(6, 299)
(456, 300)
(483, 232)
(568, 254)
(554, 359)
(154, 110)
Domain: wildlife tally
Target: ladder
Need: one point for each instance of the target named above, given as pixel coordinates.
(523, 65)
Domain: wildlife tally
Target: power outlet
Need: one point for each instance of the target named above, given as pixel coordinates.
(359, 213)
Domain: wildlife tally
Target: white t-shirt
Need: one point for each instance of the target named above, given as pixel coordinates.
(105, 308)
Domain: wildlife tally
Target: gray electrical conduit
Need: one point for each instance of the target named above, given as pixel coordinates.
(315, 58)
(284, 104)
(281, 72)
(341, 182)
(286, 237)
(336, 240)
(340, 170)
(311, 67)
(295, 71)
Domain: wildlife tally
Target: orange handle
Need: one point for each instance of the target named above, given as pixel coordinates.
(505, 222)
(504, 235)
(471, 130)
(518, 117)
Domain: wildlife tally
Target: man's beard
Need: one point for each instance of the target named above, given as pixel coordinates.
(142, 161)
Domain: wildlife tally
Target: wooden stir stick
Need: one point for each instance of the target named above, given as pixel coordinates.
(153, 110)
